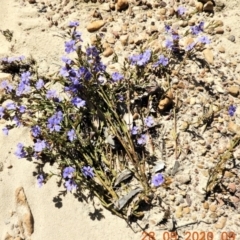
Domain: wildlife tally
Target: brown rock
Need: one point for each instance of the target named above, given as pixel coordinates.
(186, 210)
(208, 55)
(166, 101)
(96, 25)
(234, 128)
(8, 237)
(121, 5)
(219, 30)
(221, 223)
(233, 90)
(218, 23)
(179, 212)
(232, 187)
(221, 49)
(234, 199)
(213, 207)
(199, 6)
(205, 205)
(32, 1)
(24, 214)
(124, 40)
(108, 52)
(208, 7)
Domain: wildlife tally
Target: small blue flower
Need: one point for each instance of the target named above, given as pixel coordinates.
(141, 59)
(40, 145)
(149, 121)
(73, 24)
(78, 102)
(117, 76)
(17, 121)
(5, 131)
(142, 140)
(181, 10)
(157, 180)
(232, 110)
(5, 85)
(197, 29)
(204, 39)
(71, 135)
(40, 180)
(66, 60)
(39, 84)
(51, 94)
(22, 109)
(11, 106)
(70, 46)
(169, 43)
(134, 130)
(36, 130)
(20, 152)
(68, 172)
(190, 46)
(70, 185)
(88, 171)
(2, 112)
(161, 60)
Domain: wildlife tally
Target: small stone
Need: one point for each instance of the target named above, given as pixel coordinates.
(162, 11)
(179, 212)
(32, 1)
(166, 101)
(219, 30)
(213, 208)
(208, 7)
(231, 38)
(221, 49)
(228, 174)
(208, 55)
(221, 223)
(218, 23)
(108, 52)
(186, 210)
(233, 90)
(121, 5)
(234, 199)
(183, 179)
(124, 40)
(199, 6)
(96, 25)
(205, 205)
(172, 197)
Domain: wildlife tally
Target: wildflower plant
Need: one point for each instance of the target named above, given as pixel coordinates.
(88, 128)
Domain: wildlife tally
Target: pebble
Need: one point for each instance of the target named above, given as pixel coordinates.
(121, 5)
(95, 25)
(208, 7)
(183, 179)
(231, 38)
(179, 212)
(233, 90)
(208, 55)
(199, 6)
(213, 208)
(205, 205)
(219, 30)
(124, 40)
(221, 223)
(108, 52)
(221, 49)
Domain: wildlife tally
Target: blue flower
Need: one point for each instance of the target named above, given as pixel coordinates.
(51, 94)
(40, 180)
(22, 109)
(197, 29)
(117, 76)
(40, 145)
(73, 24)
(232, 110)
(167, 28)
(157, 180)
(70, 46)
(78, 102)
(181, 10)
(77, 35)
(1, 112)
(66, 60)
(71, 135)
(142, 140)
(68, 172)
(149, 121)
(204, 39)
(39, 84)
(141, 59)
(169, 43)
(36, 130)
(20, 152)
(5, 131)
(134, 130)
(88, 171)
(161, 60)
(11, 106)
(64, 72)
(190, 46)
(92, 52)
(55, 121)
(70, 185)
(17, 122)
(5, 85)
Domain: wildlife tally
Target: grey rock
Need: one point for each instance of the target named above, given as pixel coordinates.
(231, 38)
